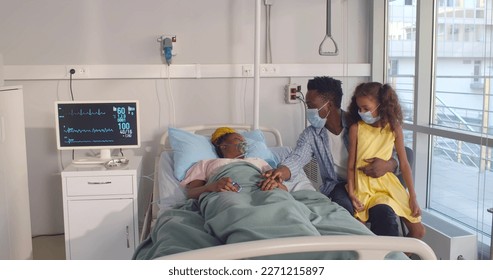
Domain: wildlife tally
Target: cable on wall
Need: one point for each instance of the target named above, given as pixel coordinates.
(172, 101)
(268, 48)
(72, 72)
(304, 108)
(60, 154)
(159, 103)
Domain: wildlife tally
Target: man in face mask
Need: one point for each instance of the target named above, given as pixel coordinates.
(326, 140)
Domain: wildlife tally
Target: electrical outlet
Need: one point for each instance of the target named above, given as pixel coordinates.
(81, 71)
(269, 69)
(247, 70)
(291, 93)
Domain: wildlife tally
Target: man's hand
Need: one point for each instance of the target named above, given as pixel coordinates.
(377, 167)
(270, 184)
(274, 177)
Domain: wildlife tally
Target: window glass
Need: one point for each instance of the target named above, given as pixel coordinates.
(461, 176)
(458, 186)
(401, 57)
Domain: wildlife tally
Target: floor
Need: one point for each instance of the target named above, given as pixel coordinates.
(463, 193)
(49, 247)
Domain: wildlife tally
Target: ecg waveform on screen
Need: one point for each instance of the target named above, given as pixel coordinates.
(92, 130)
(73, 141)
(87, 113)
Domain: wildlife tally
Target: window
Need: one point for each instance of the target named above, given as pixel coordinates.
(401, 57)
(394, 67)
(477, 72)
(454, 133)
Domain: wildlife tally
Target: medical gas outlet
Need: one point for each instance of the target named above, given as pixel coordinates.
(168, 47)
(292, 93)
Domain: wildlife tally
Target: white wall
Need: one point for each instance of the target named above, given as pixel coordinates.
(56, 33)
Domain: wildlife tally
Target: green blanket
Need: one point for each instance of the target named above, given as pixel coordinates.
(251, 214)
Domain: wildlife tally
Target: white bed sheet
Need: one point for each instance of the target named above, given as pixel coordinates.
(172, 195)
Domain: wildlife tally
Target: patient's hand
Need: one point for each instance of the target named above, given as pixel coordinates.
(224, 184)
(272, 183)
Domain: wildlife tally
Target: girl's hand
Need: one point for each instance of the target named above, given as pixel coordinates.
(415, 210)
(358, 206)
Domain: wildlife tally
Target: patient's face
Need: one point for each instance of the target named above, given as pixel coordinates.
(231, 148)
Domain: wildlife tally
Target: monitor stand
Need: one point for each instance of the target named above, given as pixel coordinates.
(104, 156)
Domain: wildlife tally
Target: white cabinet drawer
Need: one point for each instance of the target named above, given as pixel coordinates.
(99, 185)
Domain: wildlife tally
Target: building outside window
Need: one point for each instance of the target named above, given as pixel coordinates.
(460, 175)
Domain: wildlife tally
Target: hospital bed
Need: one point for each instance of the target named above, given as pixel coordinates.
(168, 199)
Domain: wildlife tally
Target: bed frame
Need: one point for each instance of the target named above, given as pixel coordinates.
(367, 247)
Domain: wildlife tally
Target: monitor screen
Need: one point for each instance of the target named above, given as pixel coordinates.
(101, 125)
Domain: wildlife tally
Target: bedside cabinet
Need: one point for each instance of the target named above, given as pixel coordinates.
(100, 211)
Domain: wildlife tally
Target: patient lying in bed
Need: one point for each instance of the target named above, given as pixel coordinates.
(228, 206)
(231, 148)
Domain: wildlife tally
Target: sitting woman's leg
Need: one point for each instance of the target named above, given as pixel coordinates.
(383, 220)
(416, 230)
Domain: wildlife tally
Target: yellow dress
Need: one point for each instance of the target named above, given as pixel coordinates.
(378, 142)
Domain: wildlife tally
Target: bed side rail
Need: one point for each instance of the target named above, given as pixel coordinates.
(367, 247)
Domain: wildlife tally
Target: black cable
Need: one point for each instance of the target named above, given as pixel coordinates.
(121, 152)
(304, 107)
(302, 95)
(72, 72)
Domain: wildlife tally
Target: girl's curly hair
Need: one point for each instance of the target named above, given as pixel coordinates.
(389, 110)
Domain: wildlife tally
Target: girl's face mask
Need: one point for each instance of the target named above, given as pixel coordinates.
(368, 117)
(314, 118)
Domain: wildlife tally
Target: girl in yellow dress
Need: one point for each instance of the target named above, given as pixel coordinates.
(375, 119)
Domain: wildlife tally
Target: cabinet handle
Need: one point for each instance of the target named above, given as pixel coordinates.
(99, 183)
(128, 240)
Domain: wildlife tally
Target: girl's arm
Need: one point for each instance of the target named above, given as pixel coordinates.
(406, 171)
(351, 168)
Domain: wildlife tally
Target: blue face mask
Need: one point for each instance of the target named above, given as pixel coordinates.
(314, 119)
(368, 118)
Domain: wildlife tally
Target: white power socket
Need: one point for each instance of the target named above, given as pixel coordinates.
(247, 70)
(269, 70)
(291, 93)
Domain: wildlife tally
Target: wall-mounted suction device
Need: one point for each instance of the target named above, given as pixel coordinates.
(167, 47)
(328, 45)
